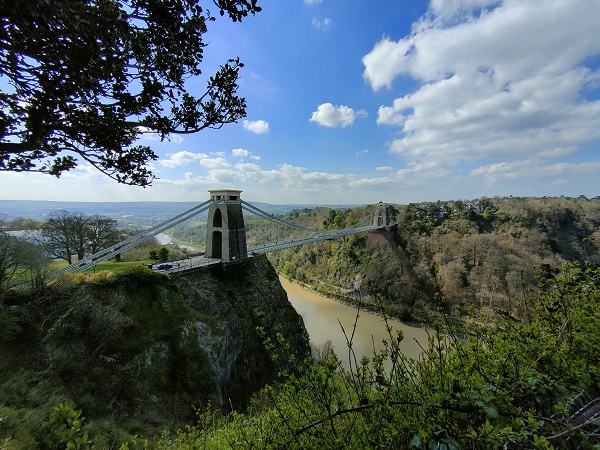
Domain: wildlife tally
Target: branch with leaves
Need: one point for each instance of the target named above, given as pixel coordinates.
(87, 79)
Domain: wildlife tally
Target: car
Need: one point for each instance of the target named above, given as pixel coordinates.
(164, 266)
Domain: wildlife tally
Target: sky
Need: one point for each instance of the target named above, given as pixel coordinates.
(400, 101)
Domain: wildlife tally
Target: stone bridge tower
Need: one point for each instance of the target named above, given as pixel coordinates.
(225, 230)
(384, 236)
(382, 216)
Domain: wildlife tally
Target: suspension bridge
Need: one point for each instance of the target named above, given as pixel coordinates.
(226, 233)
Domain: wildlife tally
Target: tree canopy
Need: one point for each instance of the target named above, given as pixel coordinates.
(66, 233)
(82, 80)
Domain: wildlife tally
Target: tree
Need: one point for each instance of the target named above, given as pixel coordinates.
(102, 232)
(20, 262)
(66, 233)
(163, 253)
(84, 79)
(23, 223)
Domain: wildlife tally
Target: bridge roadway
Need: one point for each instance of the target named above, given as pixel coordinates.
(192, 264)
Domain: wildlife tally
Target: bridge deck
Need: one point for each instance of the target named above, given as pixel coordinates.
(191, 264)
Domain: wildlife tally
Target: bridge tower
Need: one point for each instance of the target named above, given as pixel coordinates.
(382, 216)
(225, 230)
(384, 236)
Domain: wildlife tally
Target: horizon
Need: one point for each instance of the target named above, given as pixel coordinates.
(429, 100)
(162, 210)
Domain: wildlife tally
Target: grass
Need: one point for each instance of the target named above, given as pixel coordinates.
(104, 265)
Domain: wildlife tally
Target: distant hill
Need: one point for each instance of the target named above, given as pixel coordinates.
(128, 214)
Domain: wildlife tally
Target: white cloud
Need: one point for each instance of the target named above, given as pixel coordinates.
(180, 159)
(240, 152)
(184, 158)
(362, 152)
(256, 126)
(388, 115)
(498, 79)
(450, 8)
(243, 153)
(150, 135)
(312, 2)
(214, 163)
(331, 116)
(529, 169)
(248, 168)
(321, 24)
(383, 168)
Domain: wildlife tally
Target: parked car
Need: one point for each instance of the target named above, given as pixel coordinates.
(164, 266)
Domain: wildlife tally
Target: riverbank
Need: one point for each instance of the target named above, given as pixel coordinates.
(352, 302)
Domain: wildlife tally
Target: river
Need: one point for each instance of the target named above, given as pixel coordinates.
(321, 317)
(164, 239)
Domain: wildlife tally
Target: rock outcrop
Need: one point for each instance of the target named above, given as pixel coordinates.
(236, 301)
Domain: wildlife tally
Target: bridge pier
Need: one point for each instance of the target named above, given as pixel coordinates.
(225, 229)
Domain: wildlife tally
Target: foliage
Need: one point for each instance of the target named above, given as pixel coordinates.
(504, 386)
(21, 262)
(21, 223)
(67, 425)
(163, 254)
(139, 252)
(121, 347)
(486, 251)
(192, 232)
(86, 79)
(137, 351)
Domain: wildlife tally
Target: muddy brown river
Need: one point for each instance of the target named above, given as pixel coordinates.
(322, 318)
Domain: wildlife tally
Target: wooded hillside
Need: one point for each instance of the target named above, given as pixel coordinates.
(483, 253)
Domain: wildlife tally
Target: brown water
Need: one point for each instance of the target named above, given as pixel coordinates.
(322, 318)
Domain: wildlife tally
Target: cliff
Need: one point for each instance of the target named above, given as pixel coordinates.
(237, 301)
(138, 351)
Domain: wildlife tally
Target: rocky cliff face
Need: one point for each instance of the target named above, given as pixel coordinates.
(235, 301)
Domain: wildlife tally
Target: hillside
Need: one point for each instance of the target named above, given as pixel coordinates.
(482, 254)
(139, 352)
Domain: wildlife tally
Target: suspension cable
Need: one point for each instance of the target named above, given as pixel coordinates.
(259, 212)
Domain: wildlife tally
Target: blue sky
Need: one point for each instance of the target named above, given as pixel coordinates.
(360, 101)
